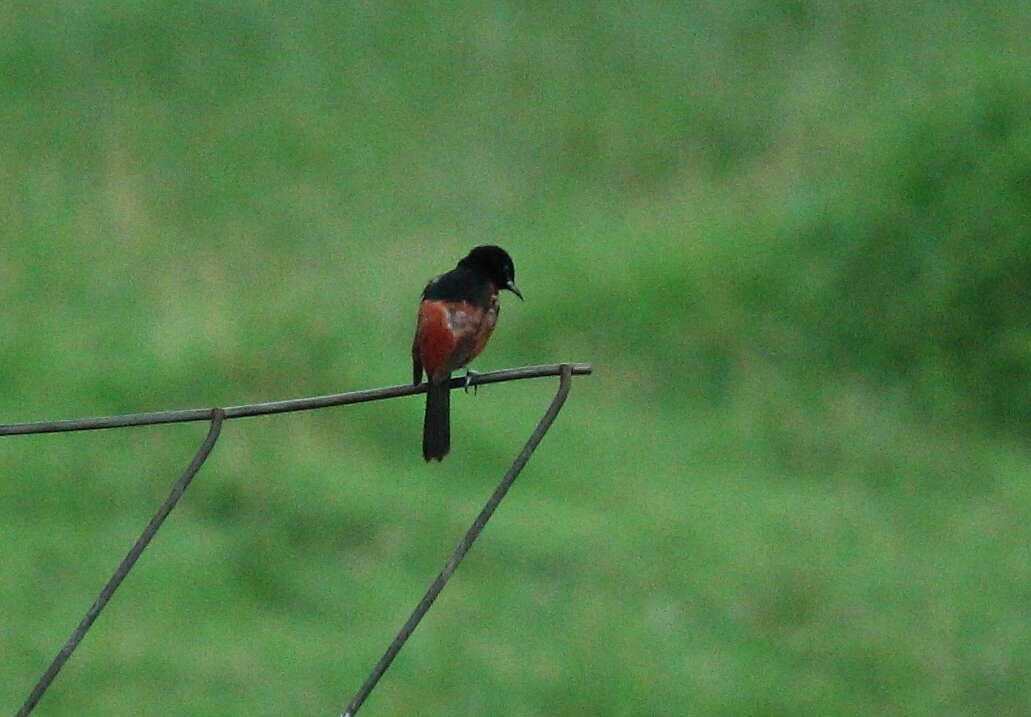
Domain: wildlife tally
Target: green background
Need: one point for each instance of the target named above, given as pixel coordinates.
(793, 237)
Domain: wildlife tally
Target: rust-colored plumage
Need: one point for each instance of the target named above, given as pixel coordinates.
(457, 316)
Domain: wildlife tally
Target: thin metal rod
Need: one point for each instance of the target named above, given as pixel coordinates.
(293, 404)
(215, 415)
(566, 372)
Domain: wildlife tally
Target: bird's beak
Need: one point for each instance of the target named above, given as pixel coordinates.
(511, 286)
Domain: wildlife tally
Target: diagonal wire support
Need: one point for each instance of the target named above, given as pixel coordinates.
(215, 415)
(566, 372)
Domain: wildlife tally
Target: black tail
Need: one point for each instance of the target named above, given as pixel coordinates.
(436, 427)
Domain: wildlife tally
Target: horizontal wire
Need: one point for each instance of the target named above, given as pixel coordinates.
(292, 404)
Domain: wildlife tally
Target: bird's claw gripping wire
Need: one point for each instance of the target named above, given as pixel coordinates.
(470, 380)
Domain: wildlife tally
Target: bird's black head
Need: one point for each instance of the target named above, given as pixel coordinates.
(496, 264)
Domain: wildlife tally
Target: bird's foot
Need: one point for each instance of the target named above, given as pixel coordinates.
(470, 380)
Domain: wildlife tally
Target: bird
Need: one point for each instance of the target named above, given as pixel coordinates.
(457, 315)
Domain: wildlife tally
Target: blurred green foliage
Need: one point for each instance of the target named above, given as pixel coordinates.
(794, 238)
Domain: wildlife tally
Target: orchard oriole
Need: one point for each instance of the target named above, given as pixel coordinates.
(456, 318)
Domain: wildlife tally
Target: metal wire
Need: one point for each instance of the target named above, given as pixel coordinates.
(215, 415)
(467, 541)
(293, 404)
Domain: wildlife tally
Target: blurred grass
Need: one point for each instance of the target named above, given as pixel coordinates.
(792, 237)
